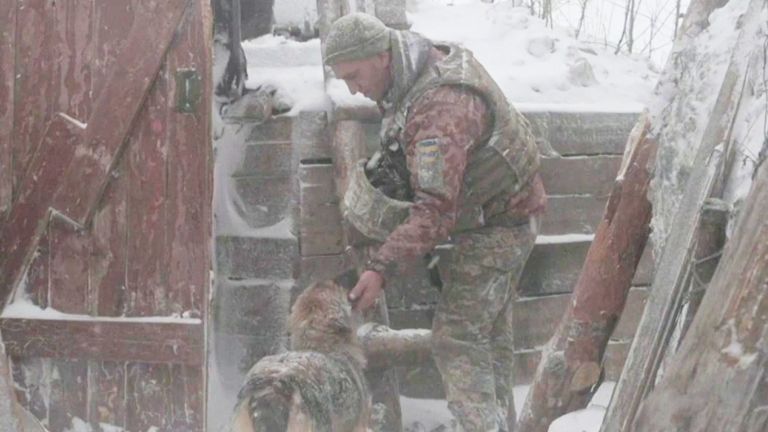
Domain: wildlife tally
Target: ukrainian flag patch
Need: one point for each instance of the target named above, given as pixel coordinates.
(430, 164)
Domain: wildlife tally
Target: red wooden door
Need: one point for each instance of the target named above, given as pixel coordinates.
(105, 178)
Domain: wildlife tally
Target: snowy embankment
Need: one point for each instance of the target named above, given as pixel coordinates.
(421, 415)
(538, 68)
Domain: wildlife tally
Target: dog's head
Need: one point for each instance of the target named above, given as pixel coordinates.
(321, 319)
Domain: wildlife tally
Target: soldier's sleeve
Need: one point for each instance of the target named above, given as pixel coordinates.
(441, 128)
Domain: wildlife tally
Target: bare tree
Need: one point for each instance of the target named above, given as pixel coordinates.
(677, 18)
(581, 18)
(624, 27)
(546, 12)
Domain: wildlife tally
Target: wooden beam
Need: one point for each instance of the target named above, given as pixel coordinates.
(145, 341)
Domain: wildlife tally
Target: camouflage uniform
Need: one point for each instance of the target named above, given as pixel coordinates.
(469, 158)
(443, 112)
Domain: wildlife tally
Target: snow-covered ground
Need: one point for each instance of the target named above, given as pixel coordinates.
(423, 415)
(537, 67)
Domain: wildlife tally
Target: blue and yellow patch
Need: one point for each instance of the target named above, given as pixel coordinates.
(429, 165)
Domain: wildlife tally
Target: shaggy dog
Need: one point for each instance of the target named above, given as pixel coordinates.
(319, 385)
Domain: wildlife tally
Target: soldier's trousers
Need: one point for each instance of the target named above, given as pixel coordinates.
(472, 330)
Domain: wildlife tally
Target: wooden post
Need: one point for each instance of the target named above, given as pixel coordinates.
(570, 369)
(385, 347)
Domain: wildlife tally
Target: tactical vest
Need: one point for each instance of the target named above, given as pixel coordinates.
(497, 168)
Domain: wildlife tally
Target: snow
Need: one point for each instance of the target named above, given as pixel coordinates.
(23, 308)
(79, 425)
(564, 238)
(535, 66)
(533, 63)
(683, 104)
(424, 415)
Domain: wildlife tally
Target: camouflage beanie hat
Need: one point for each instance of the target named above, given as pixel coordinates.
(355, 36)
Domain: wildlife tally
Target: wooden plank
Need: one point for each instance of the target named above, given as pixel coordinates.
(31, 377)
(106, 387)
(69, 275)
(188, 209)
(37, 87)
(582, 133)
(29, 216)
(553, 268)
(111, 27)
(187, 398)
(9, 413)
(567, 214)
(73, 29)
(148, 389)
(69, 389)
(536, 318)
(128, 82)
(7, 100)
(592, 175)
(109, 237)
(104, 340)
(146, 265)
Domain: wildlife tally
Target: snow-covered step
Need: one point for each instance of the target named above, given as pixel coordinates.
(252, 306)
(256, 257)
(266, 201)
(582, 133)
(424, 382)
(555, 264)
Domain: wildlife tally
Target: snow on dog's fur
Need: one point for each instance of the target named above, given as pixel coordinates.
(319, 385)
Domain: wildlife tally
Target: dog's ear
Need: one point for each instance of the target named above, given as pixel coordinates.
(348, 279)
(339, 326)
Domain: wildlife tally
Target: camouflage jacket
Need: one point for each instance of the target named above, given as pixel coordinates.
(442, 128)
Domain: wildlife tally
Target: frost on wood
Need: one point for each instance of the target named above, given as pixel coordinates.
(686, 96)
(717, 380)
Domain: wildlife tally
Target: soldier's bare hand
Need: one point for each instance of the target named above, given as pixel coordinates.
(368, 289)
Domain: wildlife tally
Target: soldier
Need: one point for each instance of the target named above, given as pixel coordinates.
(472, 166)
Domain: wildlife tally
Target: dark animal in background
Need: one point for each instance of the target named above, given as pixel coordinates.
(235, 21)
(319, 385)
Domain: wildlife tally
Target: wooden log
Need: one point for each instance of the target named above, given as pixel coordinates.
(385, 347)
(570, 369)
(718, 379)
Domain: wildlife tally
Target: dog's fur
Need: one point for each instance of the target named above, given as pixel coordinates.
(317, 386)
